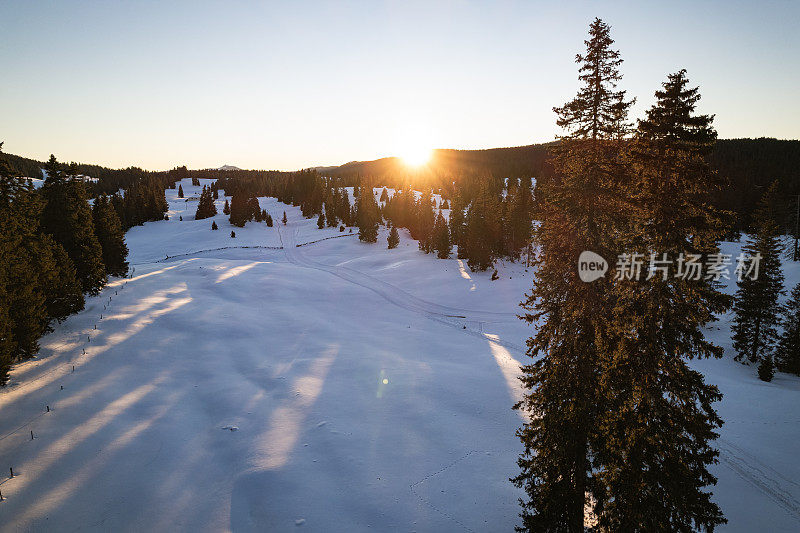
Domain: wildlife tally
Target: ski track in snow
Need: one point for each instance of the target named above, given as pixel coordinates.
(767, 480)
(450, 316)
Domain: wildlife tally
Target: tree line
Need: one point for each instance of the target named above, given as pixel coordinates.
(765, 333)
(55, 247)
(488, 218)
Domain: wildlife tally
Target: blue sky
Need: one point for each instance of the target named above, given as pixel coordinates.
(295, 84)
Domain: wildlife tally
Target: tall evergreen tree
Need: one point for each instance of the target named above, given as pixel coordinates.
(787, 355)
(481, 231)
(423, 229)
(68, 218)
(657, 424)
(344, 209)
(226, 209)
(109, 233)
(367, 215)
(37, 278)
(118, 203)
(756, 321)
(25, 313)
(394, 238)
(456, 221)
(180, 191)
(58, 278)
(255, 209)
(561, 401)
(519, 218)
(441, 240)
(284, 220)
(330, 211)
(766, 368)
(321, 221)
(205, 207)
(240, 209)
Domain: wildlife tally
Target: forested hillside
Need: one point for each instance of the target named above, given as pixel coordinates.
(748, 165)
(56, 246)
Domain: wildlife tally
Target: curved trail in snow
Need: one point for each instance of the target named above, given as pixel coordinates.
(762, 477)
(759, 475)
(451, 316)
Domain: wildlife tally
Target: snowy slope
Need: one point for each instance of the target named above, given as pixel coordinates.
(251, 384)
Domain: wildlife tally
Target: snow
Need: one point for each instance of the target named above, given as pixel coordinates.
(252, 384)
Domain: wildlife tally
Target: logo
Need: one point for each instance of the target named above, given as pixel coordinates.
(591, 266)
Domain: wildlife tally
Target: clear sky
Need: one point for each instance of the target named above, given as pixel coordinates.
(286, 85)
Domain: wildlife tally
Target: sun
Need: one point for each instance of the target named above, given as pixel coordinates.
(416, 155)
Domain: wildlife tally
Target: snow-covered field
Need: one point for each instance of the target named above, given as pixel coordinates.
(251, 384)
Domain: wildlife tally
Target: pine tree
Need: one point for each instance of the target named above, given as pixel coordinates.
(58, 279)
(456, 222)
(24, 299)
(657, 422)
(233, 234)
(214, 225)
(755, 325)
(423, 229)
(205, 207)
(321, 221)
(519, 218)
(268, 219)
(255, 209)
(561, 400)
(441, 238)
(787, 355)
(226, 209)
(108, 230)
(394, 238)
(240, 209)
(37, 279)
(330, 212)
(384, 195)
(481, 230)
(766, 368)
(118, 203)
(68, 218)
(367, 216)
(284, 218)
(180, 191)
(344, 209)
